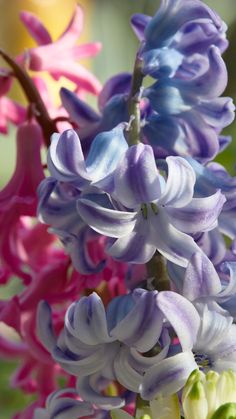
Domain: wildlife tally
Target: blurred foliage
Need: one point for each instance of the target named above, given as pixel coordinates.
(108, 22)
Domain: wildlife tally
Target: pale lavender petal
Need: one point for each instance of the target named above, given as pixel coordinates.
(176, 246)
(66, 407)
(80, 366)
(89, 320)
(65, 158)
(213, 329)
(45, 329)
(57, 211)
(212, 83)
(201, 278)
(106, 221)
(168, 376)
(142, 326)
(218, 112)
(133, 248)
(86, 390)
(213, 245)
(141, 362)
(225, 351)
(227, 223)
(201, 214)
(125, 373)
(230, 286)
(106, 151)
(182, 316)
(180, 183)
(136, 177)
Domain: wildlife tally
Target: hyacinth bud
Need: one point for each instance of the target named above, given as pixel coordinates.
(227, 411)
(210, 396)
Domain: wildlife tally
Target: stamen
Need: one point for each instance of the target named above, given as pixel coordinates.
(144, 210)
(154, 208)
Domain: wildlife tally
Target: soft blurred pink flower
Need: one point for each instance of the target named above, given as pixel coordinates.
(59, 58)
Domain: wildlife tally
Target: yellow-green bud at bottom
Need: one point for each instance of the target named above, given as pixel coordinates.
(227, 411)
(204, 394)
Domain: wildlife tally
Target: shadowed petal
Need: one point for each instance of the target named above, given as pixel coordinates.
(125, 373)
(142, 326)
(110, 222)
(87, 391)
(133, 248)
(168, 376)
(65, 158)
(139, 22)
(136, 177)
(171, 243)
(44, 326)
(79, 111)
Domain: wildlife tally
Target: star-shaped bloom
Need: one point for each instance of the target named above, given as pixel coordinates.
(99, 345)
(145, 212)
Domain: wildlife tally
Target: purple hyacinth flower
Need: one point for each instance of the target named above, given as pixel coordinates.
(213, 349)
(148, 213)
(66, 160)
(99, 345)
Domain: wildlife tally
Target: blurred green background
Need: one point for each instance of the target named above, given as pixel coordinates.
(108, 22)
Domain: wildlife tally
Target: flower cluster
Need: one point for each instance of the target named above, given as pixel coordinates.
(128, 284)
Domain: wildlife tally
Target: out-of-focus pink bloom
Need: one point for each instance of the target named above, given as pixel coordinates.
(59, 58)
(19, 196)
(55, 112)
(10, 111)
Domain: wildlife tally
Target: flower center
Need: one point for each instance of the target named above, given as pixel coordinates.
(146, 207)
(203, 361)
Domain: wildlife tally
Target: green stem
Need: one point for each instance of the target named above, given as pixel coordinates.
(40, 112)
(134, 103)
(156, 268)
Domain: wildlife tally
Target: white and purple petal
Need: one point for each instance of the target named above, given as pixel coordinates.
(168, 376)
(88, 319)
(65, 159)
(201, 278)
(142, 326)
(200, 215)
(88, 391)
(136, 178)
(107, 221)
(180, 183)
(105, 153)
(182, 316)
(176, 246)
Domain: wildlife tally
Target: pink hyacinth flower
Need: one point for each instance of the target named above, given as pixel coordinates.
(10, 111)
(19, 196)
(59, 58)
